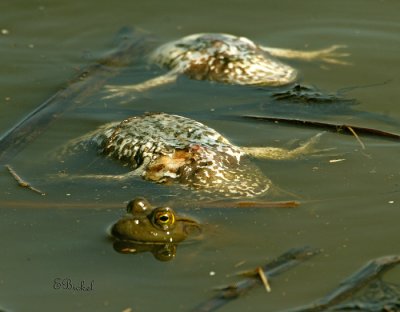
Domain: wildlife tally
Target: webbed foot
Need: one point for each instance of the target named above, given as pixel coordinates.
(308, 147)
(330, 55)
(128, 93)
(276, 153)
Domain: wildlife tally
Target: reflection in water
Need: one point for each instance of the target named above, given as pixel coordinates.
(162, 252)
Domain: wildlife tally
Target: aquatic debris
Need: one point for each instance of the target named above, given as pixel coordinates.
(356, 136)
(332, 161)
(340, 128)
(364, 277)
(264, 279)
(275, 267)
(22, 182)
(248, 204)
(380, 296)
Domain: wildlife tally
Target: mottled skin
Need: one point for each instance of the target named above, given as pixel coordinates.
(146, 224)
(227, 59)
(223, 58)
(168, 148)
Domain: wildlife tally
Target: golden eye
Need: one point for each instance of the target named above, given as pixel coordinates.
(164, 218)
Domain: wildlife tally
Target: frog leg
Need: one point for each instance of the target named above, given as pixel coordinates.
(327, 55)
(117, 177)
(131, 91)
(121, 177)
(282, 153)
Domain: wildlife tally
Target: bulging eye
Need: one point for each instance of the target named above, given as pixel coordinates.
(138, 205)
(164, 217)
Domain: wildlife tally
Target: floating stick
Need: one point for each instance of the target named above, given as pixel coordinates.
(22, 182)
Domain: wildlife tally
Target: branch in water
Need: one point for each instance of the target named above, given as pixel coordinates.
(21, 182)
(351, 285)
(341, 128)
(275, 267)
(248, 204)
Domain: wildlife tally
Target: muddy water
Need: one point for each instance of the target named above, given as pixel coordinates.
(350, 208)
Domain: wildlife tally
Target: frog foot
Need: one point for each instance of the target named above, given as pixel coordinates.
(308, 147)
(277, 153)
(128, 93)
(109, 177)
(330, 55)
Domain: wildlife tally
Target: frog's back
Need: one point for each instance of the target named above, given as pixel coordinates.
(175, 148)
(157, 133)
(223, 58)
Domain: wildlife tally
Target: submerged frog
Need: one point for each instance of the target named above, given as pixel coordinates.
(157, 230)
(228, 59)
(168, 148)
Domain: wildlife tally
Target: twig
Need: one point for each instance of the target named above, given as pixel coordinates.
(284, 262)
(357, 137)
(21, 182)
(264, 279)
(341, 128)
(249, 204)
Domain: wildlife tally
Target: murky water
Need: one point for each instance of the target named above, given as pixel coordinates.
(351, 209)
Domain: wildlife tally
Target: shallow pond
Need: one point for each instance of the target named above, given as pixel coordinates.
(350, 209)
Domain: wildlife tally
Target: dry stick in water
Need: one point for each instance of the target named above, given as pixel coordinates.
(357, 137)
(351, 285)
(284, 262)
(248, 204)
(22, 182)
(264, 279)
(330, 126)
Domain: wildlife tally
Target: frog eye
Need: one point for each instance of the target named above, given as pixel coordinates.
(164, 218)
(138, 205)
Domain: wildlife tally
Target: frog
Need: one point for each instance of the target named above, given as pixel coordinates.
(172, 149)
(225, 58)
(155, 229)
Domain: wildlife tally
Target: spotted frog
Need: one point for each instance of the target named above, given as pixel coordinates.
(227, 59)
(167, 148)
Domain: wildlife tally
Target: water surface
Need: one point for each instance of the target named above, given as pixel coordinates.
(350, 209)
